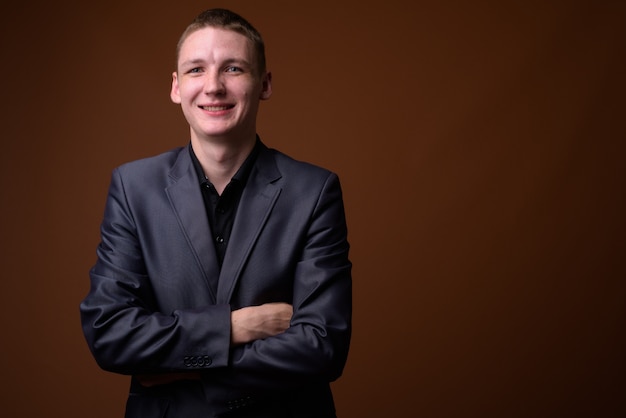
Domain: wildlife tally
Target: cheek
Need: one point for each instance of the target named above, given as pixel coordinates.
(250, 96)
(189, 90)
(248, 90)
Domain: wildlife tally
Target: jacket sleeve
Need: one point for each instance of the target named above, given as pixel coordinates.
(121, 321)
(315, 347)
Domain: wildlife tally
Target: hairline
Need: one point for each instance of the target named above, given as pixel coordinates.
(256, 40)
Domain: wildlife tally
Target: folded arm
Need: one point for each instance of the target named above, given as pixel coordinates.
(256, 347)
(247, 324)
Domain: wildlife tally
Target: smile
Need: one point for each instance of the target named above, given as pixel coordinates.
(216, 108)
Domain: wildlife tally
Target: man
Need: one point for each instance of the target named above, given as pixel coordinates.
(222, 284)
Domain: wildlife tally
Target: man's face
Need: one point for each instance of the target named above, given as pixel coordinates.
(218, 85)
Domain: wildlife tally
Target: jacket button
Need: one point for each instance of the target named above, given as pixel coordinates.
(197, 361)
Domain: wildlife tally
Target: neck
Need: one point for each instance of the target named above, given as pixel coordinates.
(220, 160)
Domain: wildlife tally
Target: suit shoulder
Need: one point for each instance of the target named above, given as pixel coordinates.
(290, 165)
(153, 163)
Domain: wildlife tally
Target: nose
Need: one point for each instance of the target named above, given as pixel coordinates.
(213, 84)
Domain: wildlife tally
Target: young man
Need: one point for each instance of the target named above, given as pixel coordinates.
(222, 283)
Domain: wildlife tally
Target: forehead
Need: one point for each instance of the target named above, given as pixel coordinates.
(216, 43)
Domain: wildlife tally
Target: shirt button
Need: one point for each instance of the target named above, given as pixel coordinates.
(219, 239)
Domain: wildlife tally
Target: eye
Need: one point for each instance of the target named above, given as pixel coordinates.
(195, 70)
(233, 69)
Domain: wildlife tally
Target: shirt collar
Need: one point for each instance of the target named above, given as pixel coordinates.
(242, 174)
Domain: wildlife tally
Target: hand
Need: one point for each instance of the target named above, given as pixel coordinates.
(257, 322)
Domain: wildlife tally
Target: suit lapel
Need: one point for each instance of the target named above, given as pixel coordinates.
(186, 199)
(255, 207)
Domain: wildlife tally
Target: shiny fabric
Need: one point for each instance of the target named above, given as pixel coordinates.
(150, 308)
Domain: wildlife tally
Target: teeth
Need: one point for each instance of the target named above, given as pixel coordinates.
(214, 108)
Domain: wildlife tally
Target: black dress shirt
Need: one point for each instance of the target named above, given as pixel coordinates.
(221, 209)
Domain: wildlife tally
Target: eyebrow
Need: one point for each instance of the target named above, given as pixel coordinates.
(192, 62)
(229, 61)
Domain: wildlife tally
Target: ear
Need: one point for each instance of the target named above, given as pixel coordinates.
(266, 90)
(175, 93)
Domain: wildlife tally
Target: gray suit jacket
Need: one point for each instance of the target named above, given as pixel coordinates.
(159, 303)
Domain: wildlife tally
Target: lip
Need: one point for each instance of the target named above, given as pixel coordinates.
(216, 107)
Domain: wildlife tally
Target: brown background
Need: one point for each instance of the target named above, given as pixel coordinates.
(481, 151)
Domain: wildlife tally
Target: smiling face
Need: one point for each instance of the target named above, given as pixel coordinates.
(219, 85)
